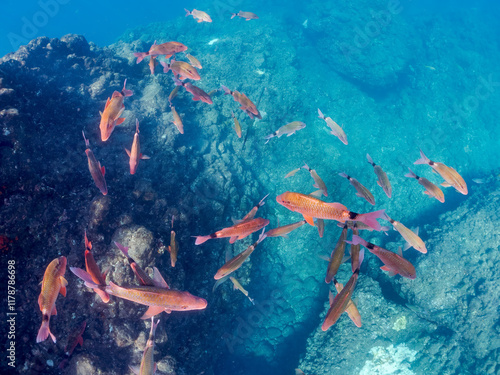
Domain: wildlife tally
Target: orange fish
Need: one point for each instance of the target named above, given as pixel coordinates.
(411, 237)
(177, 119)
(94, 271)
(194, 61)
(173, 248)
(182, 69)
(53, 283)
(354, 249)
(341, 300)
(233, 264)
(135, 152)
(148, 365)
(152, 64)
(430, 189)
(336, 257)
(167, 49)
(198, 94)
(112, 112)
(311, 207)
(97, 172)
(351, 309)
(284, 230)
(173, 94)
(246, 104)
(393, 263)
(236, 232)
(383, 180)
(237, 127)
(198, 14)
(246, 15)
(450, 175)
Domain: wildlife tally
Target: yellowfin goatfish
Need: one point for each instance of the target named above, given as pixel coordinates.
(383, 180)
(284, 230)
(135, 151)
(96, 170)
(148, 366)
(450, 175)
(351, 309)
(292, 173)
(194, 61)
(246, 15)
(336, 130)
(336, 257)
(430, 189)
(237, 127)
(318, 182)
(288, 129)
(412, 238)
(237, 285)
(361, 191)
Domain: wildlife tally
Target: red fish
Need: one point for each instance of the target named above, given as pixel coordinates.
(95, 169)
(112, 112)
(94, 271)
(198, 94)
(167, 49)
(311, 207)
(53, 283)
(236, 232)
(135, 152)
(182, 69)
(246, 104)
(393, 263)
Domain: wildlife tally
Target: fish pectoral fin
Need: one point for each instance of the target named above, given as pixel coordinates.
(345, 259)
(152, 311)
(168, 311)
(54, 311)
(107, 103)
(145, 157)
(100, 113)
(63, 291)
(158, 279)
(360, 195)
(379, 184)
(79, 340)
(289, 134)
(388, 269)
(120, 120)
(135, 369)
(127, 151)
(324, 257)
(103, 170)
(309, 220)
(200, 21)
(445, 184)
(426, 192)
(233, 239)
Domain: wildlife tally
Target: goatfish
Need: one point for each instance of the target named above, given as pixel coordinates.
(167, 49)
(182, 69)
(237, 285)
(251, 214)
(148, 365)
(157, 298)
(96, 171)
(198, 94)
(320, 223)
(430, 189)
(318, 182)
(112, 111)
(288, 129)
(134, 153)
(237, 127)
(336, 130)
(173, 248)
(173, 94)
(341, 300)
(199, 15)
(411, 237)
(292, 173)
(284, 230)
(246, 15)
(351, 309)
(76, 338)
(246, 104)
(141, 275)
(383, 180)
(53, 283)
(354, 250)
(361, 191)
(336, 257)
(236, 232)
(194, 61)
(94, 271)
(393, 263)
(177, 119)
(311, 207)
(450, 175)
(235, 263)
(152, 64)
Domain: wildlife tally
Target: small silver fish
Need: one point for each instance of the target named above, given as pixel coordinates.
(362, 192)
(383, 180)
(288, 129)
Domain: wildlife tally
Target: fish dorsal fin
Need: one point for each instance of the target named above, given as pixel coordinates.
(120, 120)
(107, 103)
(309, 219)
(103, 170)
(127, 151)
(158, 279)
(62, 290)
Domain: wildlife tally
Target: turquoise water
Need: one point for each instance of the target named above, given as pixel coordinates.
(397, 76)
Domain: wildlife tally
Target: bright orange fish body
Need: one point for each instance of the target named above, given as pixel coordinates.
(246, 104)
(236, 232)
(112, 112)
(182, 69)
(311, 207)
(167, 49)
(96, 170)
(94, 271)
(53, 283)
(135, 152)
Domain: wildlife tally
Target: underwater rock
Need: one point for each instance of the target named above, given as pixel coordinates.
(99, 209)
(138, 239)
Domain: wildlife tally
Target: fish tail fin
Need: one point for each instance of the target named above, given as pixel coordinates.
(140, 56)
(411, 174)
(166, 68)
(361, 258)
(320, 114)
(356, 240)
(268, 137)
(423, 159)
(233, 15)
(126, 92)
(225, 89)
(306, 166)
(124, 249)
(370, 219)
(136, 125)
(85, 276)
(44, 332)
(345, 175)
(188, 13)
(368, 157)
(262, 236)
(202, 239)
(177, 81)
(101, 293)
(87, 144)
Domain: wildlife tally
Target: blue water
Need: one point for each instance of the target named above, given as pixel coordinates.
(398, 76)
